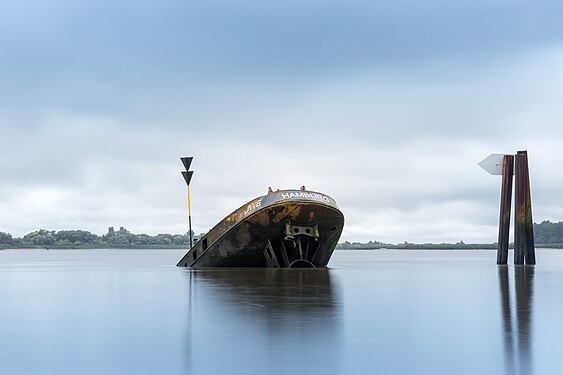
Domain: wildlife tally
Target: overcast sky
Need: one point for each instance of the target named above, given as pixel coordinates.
(387, 106)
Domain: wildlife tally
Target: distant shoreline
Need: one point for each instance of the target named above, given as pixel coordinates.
(83, 247)
(430, 246)
(340, 247)
(546, 235)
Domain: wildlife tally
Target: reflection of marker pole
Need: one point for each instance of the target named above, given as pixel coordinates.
(187, 174)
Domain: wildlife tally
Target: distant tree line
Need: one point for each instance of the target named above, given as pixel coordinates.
(546, 234)
(410, 245)
(121, 238)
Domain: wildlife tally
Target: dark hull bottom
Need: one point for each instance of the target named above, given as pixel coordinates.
(281, 235)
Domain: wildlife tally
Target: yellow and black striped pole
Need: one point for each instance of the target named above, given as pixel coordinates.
(187, 174)
(190, 216)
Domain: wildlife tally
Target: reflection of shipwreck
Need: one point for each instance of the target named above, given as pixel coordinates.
(283, 301)
(288, 320)
(286, 228)
(276, 292)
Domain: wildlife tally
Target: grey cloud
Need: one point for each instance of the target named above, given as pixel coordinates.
(388, 108)
(374, 68)
(184, 40)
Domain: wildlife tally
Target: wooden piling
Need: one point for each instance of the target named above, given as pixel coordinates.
(524, 248)
(505, 203)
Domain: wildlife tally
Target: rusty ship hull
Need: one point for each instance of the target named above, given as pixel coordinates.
(283, 229)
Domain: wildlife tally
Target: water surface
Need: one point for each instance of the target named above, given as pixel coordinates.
(389, 312)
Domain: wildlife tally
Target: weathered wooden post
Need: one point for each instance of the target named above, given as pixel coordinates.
(524, 248)
(505, 203)
(499, 164)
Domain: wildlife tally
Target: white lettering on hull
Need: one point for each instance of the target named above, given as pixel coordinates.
(301, 194)
(252, 206)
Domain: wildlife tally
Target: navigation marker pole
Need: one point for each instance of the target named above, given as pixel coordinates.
(187, 174)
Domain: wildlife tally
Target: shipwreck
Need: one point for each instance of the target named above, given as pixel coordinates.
(282, 229)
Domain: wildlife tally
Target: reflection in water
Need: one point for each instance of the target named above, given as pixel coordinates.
(275, 290)
(289, 315)
(517, 337)
(506, 319)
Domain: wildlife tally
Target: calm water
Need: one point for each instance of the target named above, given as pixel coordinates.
(387, 312)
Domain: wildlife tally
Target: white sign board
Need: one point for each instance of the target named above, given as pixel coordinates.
(493, 164)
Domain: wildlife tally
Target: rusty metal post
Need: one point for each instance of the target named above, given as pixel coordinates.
(505, 203)
(524, 248)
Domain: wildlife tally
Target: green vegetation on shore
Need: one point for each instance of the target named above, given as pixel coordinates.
(80, 239)
(371, 245)
(546, 234)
